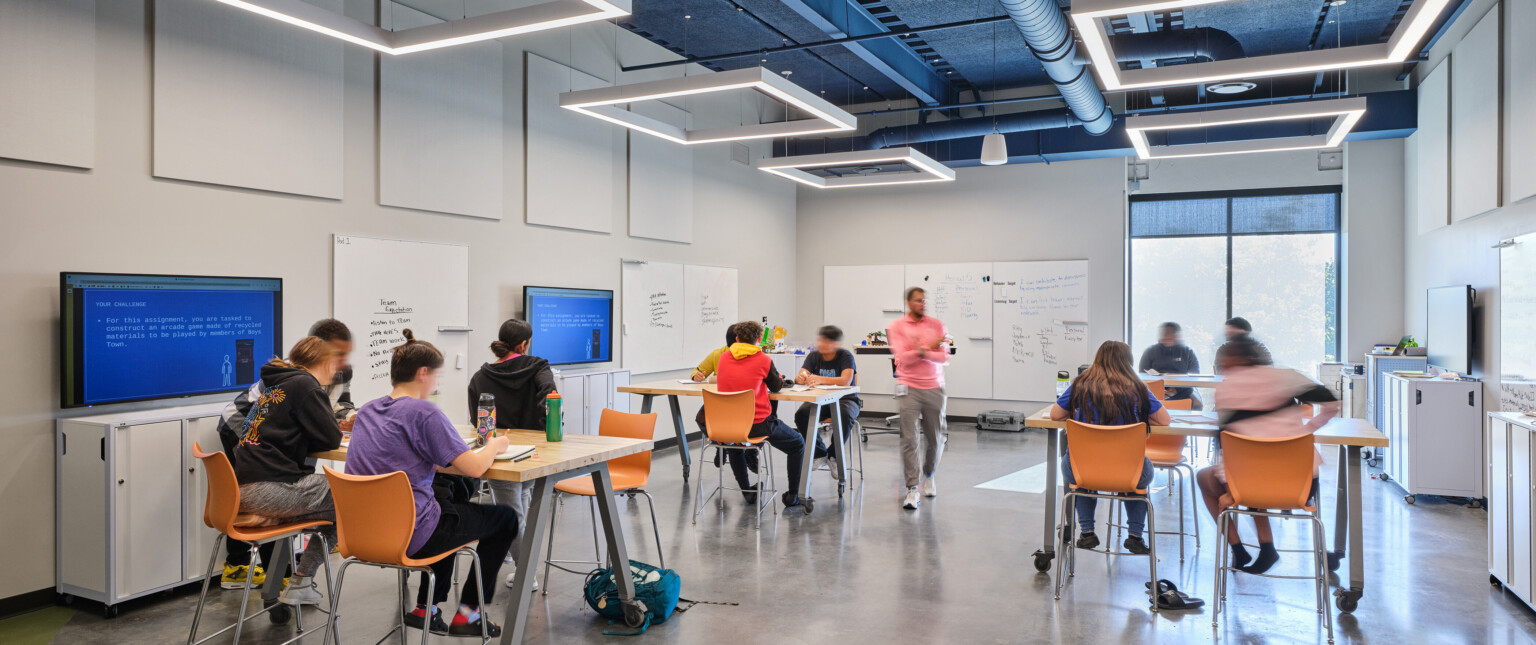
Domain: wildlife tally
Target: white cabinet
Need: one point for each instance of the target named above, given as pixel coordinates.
(128, 511)
(1510, 531)
(1377, 368)
(584, 394)
(1434, 428)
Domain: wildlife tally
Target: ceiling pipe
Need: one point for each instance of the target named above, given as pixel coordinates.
(900, 135)
(1049, 37)
(1200, 42)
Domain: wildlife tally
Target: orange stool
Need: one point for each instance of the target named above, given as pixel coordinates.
(219, 513)
(1106, 463)
(1271, 477)
(375, 518)
(727, 422)
(1167, 454)
(630, 475)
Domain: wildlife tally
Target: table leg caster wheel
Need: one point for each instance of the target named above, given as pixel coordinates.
(1346, 600)
(1410, 499)
(807, 505)
(280, 614)
(840, 487)
(1373, 462)
(1043, 561)
(109, 611)
(69, 599)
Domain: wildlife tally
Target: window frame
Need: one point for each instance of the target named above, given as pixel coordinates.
(1229, 195)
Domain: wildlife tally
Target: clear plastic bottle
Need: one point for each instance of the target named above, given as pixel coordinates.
(1063, 379)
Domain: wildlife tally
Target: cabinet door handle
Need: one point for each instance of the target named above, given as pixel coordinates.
(1418, 397)
(120, 482)
(103, 448)
(64, 439)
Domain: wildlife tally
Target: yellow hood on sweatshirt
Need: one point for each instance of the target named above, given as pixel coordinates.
(743, 350)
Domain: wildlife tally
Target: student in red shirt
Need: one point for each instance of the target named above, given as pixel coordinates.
(744, 366)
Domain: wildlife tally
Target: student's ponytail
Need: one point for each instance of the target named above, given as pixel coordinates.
(513, 332)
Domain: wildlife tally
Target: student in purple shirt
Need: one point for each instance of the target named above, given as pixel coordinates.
(405, 432)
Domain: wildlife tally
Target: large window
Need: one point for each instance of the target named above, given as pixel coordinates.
(1269, 256)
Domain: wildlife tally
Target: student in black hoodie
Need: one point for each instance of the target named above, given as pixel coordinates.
(291, 419)
(1171, 356)
(520, 383)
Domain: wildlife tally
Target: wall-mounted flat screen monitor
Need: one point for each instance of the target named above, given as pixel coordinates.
(570, 326)
(1448, 327)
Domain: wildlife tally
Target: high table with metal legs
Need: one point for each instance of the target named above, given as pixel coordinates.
(579, 455)
(1350, 435)
(825, 400)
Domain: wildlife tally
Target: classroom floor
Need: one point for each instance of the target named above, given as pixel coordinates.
(956, 571)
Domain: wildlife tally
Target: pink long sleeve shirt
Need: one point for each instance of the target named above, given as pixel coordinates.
(917, 366)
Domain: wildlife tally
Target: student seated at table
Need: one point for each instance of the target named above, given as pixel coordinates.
(1239, 328)
(830, 364)
(520, 382)
(1109, 393)
(1171, 356)
(1254, 399)
(708, 367)
(402, 431)
(745, 367)
(289, 420)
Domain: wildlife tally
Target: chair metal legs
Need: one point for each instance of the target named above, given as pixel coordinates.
(764, 488)
(245, 591)
(404, 578)
(1066, 529)
(1319, 577)
(1194, 503)
(550, 562)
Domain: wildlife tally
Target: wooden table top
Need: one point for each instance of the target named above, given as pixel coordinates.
(1184, 380)
(1337, 432)
(576, 451)
(674, 388)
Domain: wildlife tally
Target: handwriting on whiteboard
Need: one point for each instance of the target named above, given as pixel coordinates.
(661, 310)
(384, 333)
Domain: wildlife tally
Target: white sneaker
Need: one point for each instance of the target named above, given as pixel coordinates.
(929, 489)
(913, 500)
(828, 463)
(300, 591)
(512, 581)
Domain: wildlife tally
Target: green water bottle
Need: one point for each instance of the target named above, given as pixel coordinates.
(553, 427)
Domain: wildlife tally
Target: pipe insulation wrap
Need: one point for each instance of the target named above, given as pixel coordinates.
(1049, 36)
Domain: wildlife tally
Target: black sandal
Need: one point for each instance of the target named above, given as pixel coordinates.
(1170, 598)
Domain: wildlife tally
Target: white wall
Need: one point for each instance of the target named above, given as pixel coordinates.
(118, 218)
(1373, 245)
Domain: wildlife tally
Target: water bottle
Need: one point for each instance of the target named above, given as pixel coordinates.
(1061, 383)
(485, 417)
(553, 423)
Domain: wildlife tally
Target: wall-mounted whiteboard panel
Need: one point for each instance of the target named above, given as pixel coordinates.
(378, 295)
(244, 100)
(1517, 325)
(570, 158)
(860, 300)
(960, 295)
(660, 180)
(1520, 101)
(48, 81)
(709, 306)
(1040, 316)
(653, 304)
(440, 127)
(1475, 174)
(1433, 174)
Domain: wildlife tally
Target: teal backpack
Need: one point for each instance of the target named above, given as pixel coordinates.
(656, 596)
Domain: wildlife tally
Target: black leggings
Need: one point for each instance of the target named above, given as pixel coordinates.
(494, 525)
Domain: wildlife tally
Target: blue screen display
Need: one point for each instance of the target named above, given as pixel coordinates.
(570, 325)
(131, 338)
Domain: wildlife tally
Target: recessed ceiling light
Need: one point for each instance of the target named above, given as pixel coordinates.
(1230, 87)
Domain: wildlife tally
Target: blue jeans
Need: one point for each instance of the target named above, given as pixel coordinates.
(780, 436)
(1135, 509)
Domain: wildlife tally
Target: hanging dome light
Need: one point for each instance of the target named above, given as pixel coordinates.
(994, 150)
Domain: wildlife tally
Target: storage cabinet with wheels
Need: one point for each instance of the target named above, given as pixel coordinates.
(584, 394)
(1511, 548)
(1434, 427)
(129, 506)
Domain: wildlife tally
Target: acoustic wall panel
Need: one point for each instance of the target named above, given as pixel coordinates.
(243, 100)
(48, 81)
(1475, 174)
(1520, 101)
(1433, 176)
(570, 158)
(660, 180)
(440, 128)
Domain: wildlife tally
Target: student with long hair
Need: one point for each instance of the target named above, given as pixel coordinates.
(1110, 394)
(289, 420)
(403, 431)
(520, 382)
(1258, 400)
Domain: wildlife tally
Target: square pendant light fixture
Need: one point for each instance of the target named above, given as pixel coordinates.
(539, 17)
(923, 168)
(1346, 113)
(1089, 15)
(608, 104)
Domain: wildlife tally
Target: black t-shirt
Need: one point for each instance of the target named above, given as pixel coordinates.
(843, 360)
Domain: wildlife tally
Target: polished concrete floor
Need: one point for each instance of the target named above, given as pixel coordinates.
(956, 571)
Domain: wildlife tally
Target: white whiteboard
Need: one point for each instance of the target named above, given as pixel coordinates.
(381, 287)
(860, 300)
(1517, 325)
(960, 295)
(1040, 316)
(709, 306)
(653, 317)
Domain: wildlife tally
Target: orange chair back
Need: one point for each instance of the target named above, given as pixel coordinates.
(1179, 404)
(1157, 387)
(1168, 447)
(1269, 472)
(375, 515)
(630, 426)
(728, 416)
(1107, 459)
(223, 490)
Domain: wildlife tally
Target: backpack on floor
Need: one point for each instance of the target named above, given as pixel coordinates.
(656, 594)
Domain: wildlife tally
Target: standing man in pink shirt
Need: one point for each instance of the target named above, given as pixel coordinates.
(917, 343)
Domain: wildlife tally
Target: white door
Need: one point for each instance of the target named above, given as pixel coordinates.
(149, 507)
(197, 537)
(1498, 498)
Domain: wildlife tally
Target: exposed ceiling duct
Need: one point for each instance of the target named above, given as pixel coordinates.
(1205, 43)
(901, 135)
(1050, 39)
